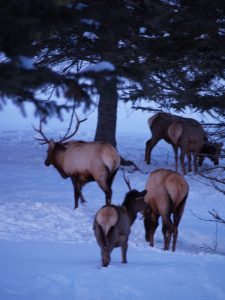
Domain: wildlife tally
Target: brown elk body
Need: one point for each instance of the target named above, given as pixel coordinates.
(184, 133)
(167, 192)
(190, 139)
(84, 162)
(112, 224)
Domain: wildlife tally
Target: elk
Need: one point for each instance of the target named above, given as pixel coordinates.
(82, 162)
(211, 150)
(167, 192)
(184, 133)
(112, 224)
(190, 139)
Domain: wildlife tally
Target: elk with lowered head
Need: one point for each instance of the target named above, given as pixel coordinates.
(210, 150)
(166, 196)
(113, 222)
(184, 133)
(82, 162)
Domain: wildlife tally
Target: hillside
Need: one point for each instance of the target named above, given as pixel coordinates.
(48, 249)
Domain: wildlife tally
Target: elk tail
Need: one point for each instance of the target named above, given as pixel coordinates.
(174, 131)
(107, 217)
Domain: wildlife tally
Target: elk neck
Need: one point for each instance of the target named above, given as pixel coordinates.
(132, 214)
(58, 160)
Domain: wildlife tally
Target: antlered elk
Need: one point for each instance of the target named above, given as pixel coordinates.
(113, 222)
(167, 192)
(184, 133)
(82, 162)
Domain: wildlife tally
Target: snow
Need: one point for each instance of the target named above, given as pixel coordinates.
(142, 30)
(101, 66)
(80, 6)
(90, 35)
(48, 249)
(25, 62)
(62, 271)
(90, 22)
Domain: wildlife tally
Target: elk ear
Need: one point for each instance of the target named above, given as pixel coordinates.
(51, 144)
(141, 194)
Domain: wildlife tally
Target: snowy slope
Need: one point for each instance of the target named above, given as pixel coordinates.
(48, 250)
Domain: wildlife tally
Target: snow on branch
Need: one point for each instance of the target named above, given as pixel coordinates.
(102, 66)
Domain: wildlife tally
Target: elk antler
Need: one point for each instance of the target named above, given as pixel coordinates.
(127, 181)
(44, 139)
(66, 136)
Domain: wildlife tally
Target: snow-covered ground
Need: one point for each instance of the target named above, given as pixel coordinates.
(48, 250)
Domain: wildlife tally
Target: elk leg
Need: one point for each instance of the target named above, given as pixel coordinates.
(167, 230)
(111, 178)
(105, 184)
(81, 184)
(177, 217)
(82, 198)
(182, 155)
(102, 242)
(167, 233)
(175, 149)
(150, 144)
(76, 188)
(200, 160)
(124, 252)
(147, 152)
(150, 224)
(76, 195)
(108, 194)
(105, 256)
(189, 162)
(154, 225)
(164, 231)
(195, 163)
(152, 231)
(175, 235)
(108, 197)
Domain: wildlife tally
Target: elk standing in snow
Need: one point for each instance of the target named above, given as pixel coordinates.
(82, 162)
(184, 133)
(167, 192)
(112, 224)
(190, 139)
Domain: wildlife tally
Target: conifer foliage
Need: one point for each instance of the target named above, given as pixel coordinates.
(170, 52)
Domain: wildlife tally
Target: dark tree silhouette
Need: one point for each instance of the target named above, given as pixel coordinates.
(168, 52)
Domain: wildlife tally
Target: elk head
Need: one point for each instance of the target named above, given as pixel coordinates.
(136, 197)
(53, 146)
(215, 152)
(211, 150)
(50, 152)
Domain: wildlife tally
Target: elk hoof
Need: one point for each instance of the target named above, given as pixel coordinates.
(105, 263)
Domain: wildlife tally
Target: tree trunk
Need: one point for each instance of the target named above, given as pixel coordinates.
(107, 111)
(107, 115)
